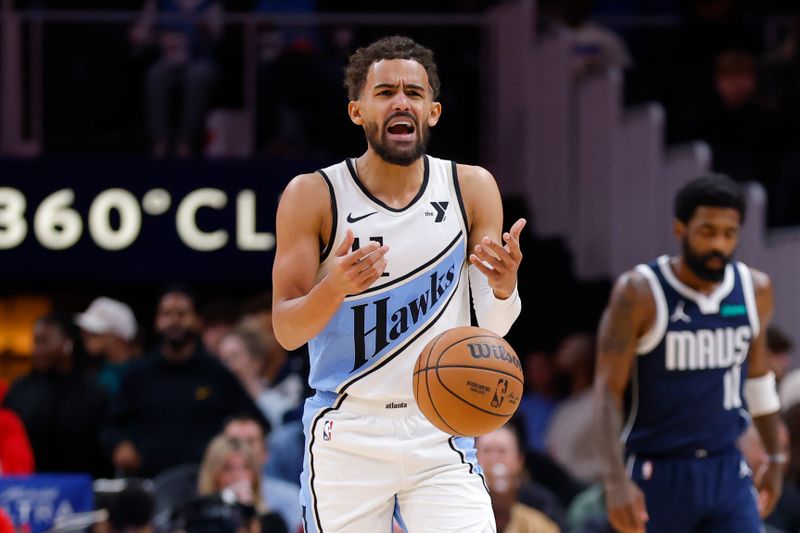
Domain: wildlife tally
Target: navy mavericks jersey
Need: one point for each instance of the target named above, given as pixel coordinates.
(686, 389)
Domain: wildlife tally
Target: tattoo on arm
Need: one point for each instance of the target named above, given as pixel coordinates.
(616, 348)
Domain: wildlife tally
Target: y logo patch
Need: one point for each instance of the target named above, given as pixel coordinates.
(441, 210)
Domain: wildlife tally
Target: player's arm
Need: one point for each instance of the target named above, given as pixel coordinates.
(629, 314)
(494, 287)
(301, 307)
(762, 399)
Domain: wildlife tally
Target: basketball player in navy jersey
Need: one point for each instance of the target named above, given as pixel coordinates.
(682, 348)
(376, 256)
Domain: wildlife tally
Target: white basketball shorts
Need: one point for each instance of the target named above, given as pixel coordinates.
(368, 460)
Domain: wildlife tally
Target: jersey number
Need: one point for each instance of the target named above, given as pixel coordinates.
(732, 381)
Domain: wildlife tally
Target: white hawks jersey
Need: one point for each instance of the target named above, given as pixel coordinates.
(369, 347)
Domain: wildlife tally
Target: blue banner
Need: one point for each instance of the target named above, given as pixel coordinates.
(35, 502)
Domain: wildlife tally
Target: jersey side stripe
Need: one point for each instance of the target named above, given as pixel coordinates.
(334, 218)
(749, 298)
(651, 339)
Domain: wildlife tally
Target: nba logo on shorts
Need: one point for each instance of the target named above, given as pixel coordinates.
(327, 430)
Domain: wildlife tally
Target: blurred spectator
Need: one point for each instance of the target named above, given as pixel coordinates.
(62, 409)
(745, 137)
(262, 367)
(186, 39)
(212, 514)
(502, 462)
(219, 319)
(16, 454)
(286, 445)
(779, 352)
(173, 401)
(539, 401)
(281, 370)
(257, 312)
(789, 392)
(230, 469)
(279, 495)
(108, 329)
(131, 511)
(587, 513)
(594, 48)
(569, 438)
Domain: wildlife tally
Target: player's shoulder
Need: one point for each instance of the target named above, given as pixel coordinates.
(309, 190)
(475, 183)
(762, 288)
(473, 175)
(632, 289)
(761, 280)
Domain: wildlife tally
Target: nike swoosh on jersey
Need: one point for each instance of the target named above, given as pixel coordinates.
(351, 218)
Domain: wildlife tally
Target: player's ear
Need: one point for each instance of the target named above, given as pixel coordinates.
(436, 112)
(354, 110)
(679, 229)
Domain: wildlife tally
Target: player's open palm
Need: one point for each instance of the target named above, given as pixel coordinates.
(499, 263)
(353, 272)
(626, 508)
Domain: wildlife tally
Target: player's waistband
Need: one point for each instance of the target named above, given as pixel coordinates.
(686, 453)
(367, 406)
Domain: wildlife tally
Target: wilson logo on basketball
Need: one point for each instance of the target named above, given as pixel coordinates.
(484, 350)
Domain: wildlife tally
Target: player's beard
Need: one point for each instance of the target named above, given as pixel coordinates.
(698, 263)
(393, 153)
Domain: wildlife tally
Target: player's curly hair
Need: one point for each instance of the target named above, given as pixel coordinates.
(394, 47)
(714, 190)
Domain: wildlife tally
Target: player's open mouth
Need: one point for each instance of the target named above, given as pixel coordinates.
(401, 129)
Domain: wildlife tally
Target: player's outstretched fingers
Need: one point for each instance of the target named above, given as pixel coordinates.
(368, 276)
(496, 249)
(344, 248)
(487, 271)
(511, 239)
(487, 257)
(372, 263)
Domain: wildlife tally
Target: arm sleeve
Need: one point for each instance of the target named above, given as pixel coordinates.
(492, 313)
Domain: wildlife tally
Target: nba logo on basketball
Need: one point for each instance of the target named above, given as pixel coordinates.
(327, 430)
(500, 392)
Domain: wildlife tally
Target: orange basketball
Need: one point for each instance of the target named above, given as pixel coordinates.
(468, 381)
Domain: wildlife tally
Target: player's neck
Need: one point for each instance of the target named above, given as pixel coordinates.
(689, 278)
(396, 185)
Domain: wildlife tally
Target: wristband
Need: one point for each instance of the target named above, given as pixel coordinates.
(778, 458)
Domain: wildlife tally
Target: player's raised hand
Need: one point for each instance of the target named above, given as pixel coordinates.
(502, 260)
(770, 486)
(626, 509)
(354, 272)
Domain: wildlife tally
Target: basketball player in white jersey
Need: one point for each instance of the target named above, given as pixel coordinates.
(375, 257)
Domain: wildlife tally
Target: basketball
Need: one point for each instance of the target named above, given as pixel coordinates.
(468, 381)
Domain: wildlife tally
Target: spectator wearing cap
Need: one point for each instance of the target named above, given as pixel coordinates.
(108, 328)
